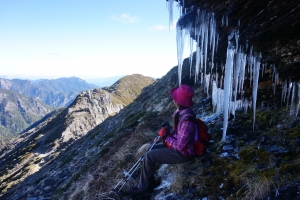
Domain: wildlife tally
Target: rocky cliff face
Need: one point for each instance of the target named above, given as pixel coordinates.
(94, 106)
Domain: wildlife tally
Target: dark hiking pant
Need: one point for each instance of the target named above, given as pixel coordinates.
(160, 154)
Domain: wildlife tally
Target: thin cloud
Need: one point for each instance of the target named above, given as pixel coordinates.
(125, 18)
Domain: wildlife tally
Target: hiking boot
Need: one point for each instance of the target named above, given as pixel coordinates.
(135, 190)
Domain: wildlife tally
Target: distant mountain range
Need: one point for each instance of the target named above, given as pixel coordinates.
(24, 102)
(55, 92)
(17, 112)
(98, 82)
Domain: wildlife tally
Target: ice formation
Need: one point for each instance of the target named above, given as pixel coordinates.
(226, 88)
(170, 9)
(256, 67)
(295, 101)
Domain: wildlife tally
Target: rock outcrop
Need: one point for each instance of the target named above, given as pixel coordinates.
(89, 109)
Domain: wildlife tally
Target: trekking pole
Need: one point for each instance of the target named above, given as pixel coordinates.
(128, 174)
(162, 134)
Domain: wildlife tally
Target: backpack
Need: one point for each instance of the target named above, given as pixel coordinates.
(201, 136)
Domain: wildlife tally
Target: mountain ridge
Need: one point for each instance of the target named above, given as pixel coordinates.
(44, 142)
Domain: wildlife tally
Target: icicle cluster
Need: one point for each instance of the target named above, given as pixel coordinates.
(202, 27)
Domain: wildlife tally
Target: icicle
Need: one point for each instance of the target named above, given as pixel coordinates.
(197, 65)
(237, 35)
(217, 42)
(221, 81)
(202, 43)
(242, 72)
(205, 45)
(256, 68)
(213, 41)
(182, 32)
(211, 32)
(170, 9)
(251, 63)
(214, 95)
(191, 54)
(180, 47)
(294, 100)
(283, 92)
(227, 86)
(289, 92)
(236, 72)
(275, 79)
(207, 81)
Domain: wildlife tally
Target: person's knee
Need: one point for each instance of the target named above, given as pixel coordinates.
(149, 157)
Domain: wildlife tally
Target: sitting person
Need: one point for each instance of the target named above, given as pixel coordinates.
(177, 146)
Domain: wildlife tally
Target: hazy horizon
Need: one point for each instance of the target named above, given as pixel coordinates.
(95, 39)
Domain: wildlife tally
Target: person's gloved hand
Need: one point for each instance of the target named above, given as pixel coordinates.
(163, 133)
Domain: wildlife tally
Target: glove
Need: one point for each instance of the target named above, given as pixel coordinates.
(162, 132)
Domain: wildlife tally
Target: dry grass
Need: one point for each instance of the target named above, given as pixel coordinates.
(255, 187)
(109, 170)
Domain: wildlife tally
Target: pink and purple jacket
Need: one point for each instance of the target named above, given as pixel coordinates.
(183, 140)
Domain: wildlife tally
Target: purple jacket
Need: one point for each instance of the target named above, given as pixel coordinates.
(183, 140)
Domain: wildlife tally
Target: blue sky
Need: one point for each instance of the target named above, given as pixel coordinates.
(86, 39)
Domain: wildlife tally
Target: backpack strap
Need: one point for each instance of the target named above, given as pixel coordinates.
(193, 119)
